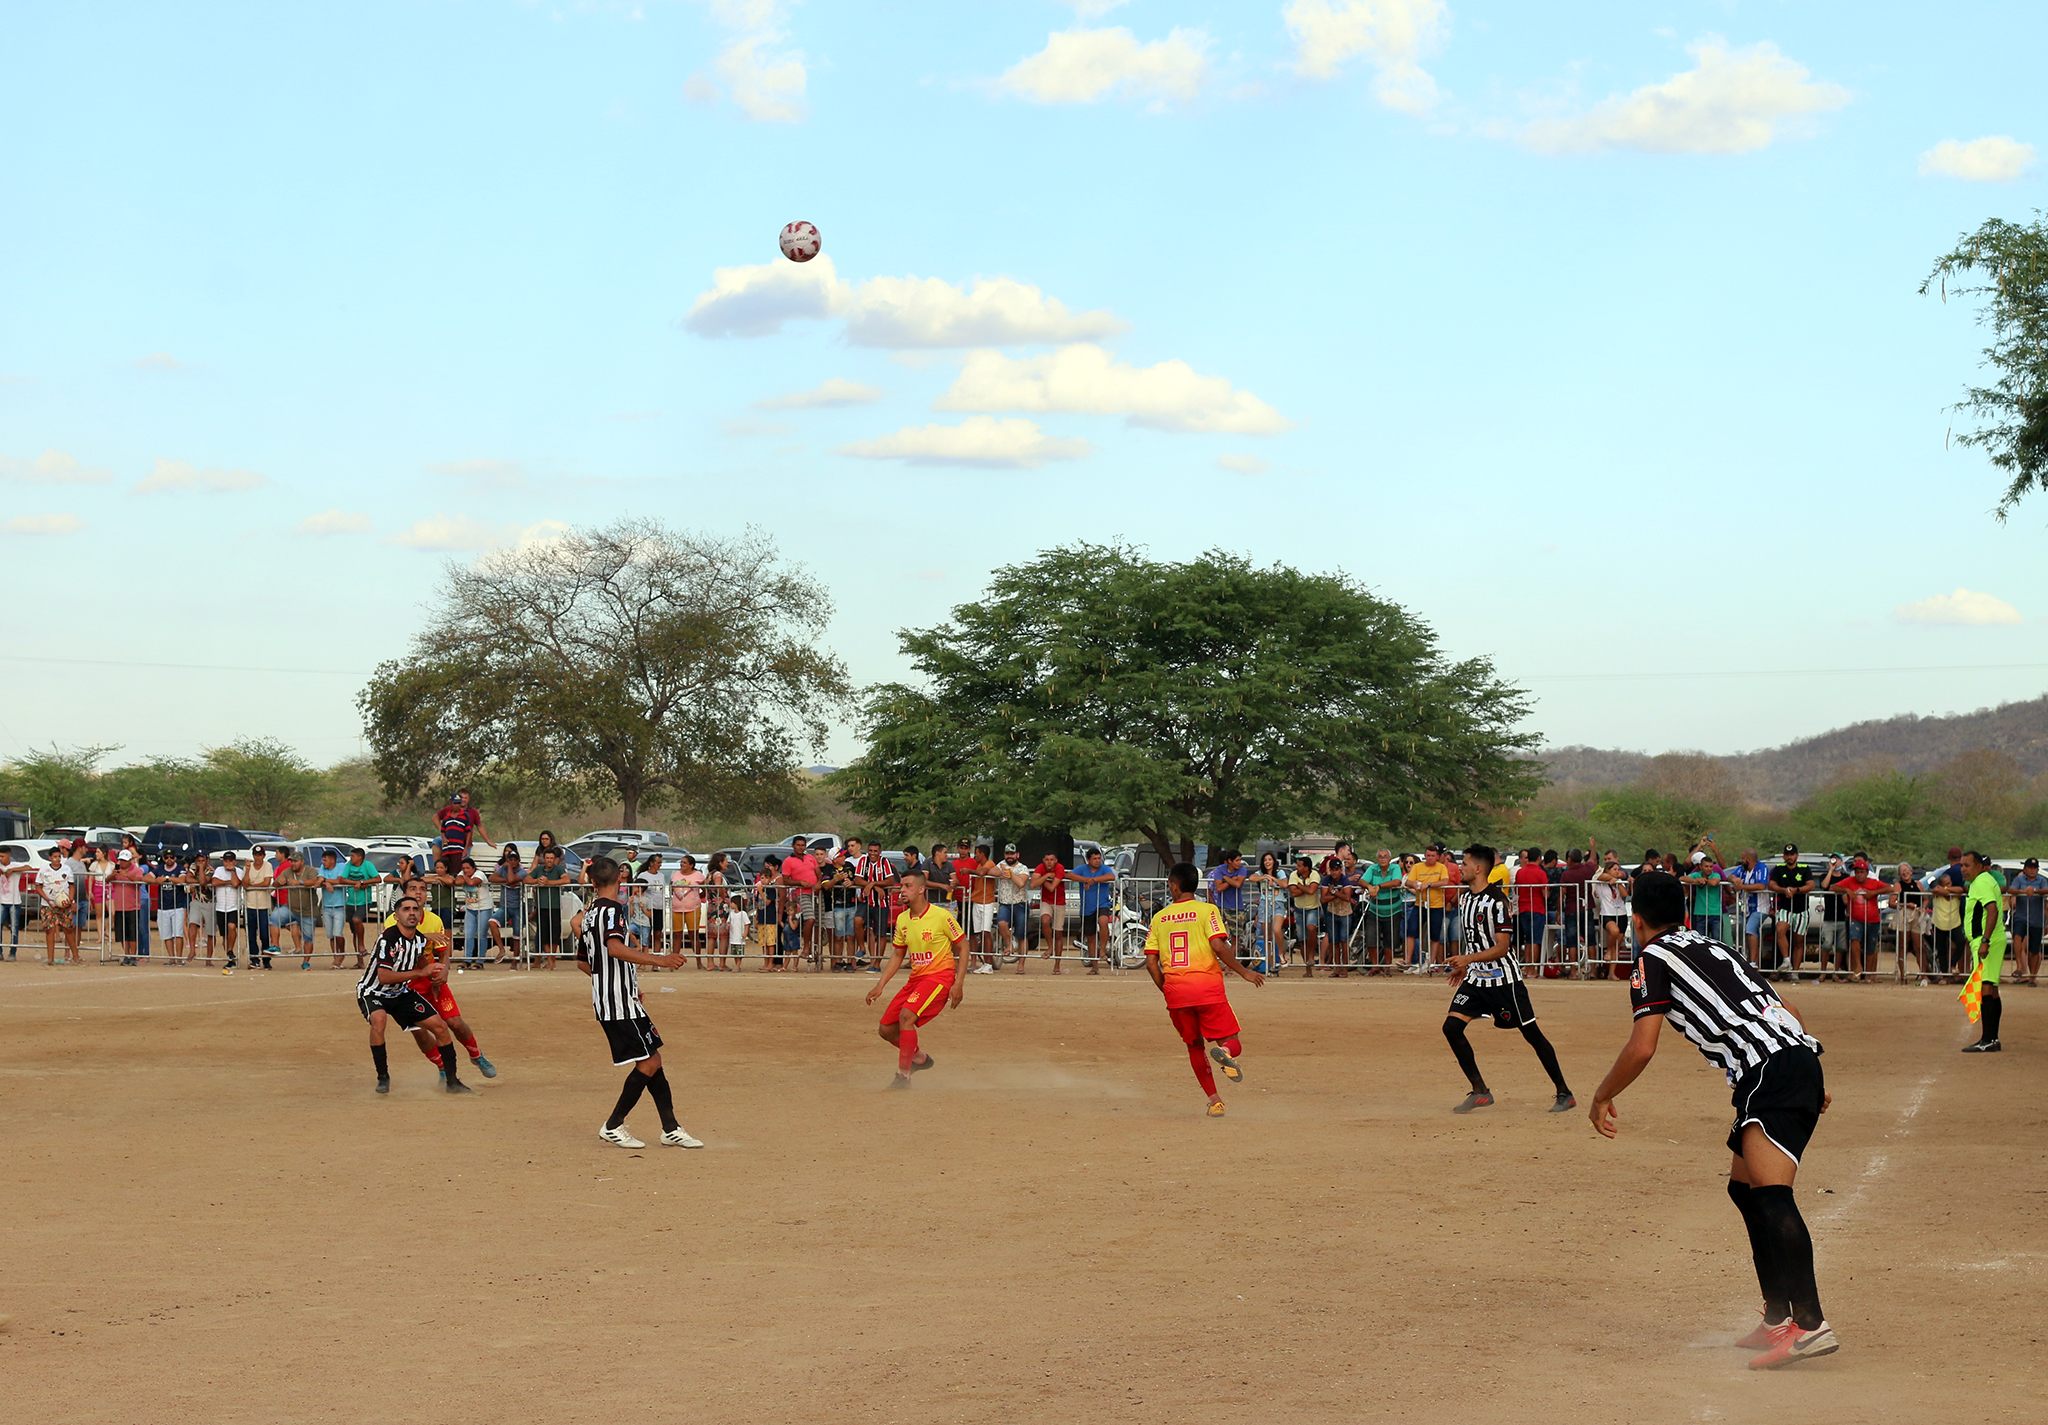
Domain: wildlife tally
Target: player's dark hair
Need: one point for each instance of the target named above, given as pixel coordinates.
(913, 871)
(1659, 899)
(405, 901)
(604, 872)
(1184, 876)
(1492, 858)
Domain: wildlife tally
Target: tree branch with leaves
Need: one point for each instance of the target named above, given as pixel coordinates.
(2006, 264)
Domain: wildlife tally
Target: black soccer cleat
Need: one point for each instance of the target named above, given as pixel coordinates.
(1224, 1062)
(458, 1086)
(1984, 1046)
(383, 1086)
(917, 1068)
(901, 1081)
(1473, 1100)
(1564, 1102)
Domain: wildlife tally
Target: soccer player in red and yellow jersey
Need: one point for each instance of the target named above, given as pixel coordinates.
(926, 935)
(1186, 954)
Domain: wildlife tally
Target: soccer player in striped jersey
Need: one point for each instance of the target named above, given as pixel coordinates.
(1486, 980)
(614, 969)
(385, 993)
(436, 990)
(1722, 1004)
(929, 938)
(1187, 949)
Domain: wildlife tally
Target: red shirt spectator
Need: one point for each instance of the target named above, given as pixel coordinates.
(460, 822)
(1862, 890)
(1530, 874)
(1052, 882)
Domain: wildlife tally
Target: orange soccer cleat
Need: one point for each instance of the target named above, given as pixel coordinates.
(1792, 1344)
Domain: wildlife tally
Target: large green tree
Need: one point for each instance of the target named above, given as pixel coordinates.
(636, 663)
(2006, 264)
(1205, 701)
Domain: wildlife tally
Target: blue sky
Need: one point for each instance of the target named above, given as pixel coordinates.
(1588, 332)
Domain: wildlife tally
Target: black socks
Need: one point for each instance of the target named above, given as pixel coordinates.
(1776, 1307)
(448, 1060)
(636, 1084)
(1783, 1235)
(383, 1068)
(664, 1102)
(1545, 1055)
(1992, 1009)
(1454, 1030)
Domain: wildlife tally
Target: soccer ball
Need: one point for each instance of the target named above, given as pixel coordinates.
(800, 242)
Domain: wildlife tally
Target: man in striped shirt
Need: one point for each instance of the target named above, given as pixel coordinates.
(1486, 980)
(1712, 996)
(613, 966)
(385, 993)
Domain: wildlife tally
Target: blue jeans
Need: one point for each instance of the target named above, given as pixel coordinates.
(1529, 926)
(13, 917)
(256, 924)
(1017, 917)
(475, 933)
(1708, 925)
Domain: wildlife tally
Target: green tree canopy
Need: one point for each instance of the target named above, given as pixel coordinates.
(657, 667)
(2007, 265)
(1206, 701)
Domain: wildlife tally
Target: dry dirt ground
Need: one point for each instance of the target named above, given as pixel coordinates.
(211, 1217)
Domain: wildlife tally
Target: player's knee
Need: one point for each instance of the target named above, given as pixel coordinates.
(1454, 1027)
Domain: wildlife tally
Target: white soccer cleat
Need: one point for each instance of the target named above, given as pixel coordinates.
(621, 1136)
(679, 1137)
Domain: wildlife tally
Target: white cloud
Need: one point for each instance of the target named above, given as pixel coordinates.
(159, 361)
(751, 428)
(444, 533)
(52, 467)
(978, 440)
(1731, 101)
(179, 475)
(1169, 396)
(1993, 159)
(333, 522)
(1961, 607)
(888, 312)
(1243, 464)
(486, 476)
(1391, 35)
(767, 83)
(835, 392)
(1083, 66)
(37, 525)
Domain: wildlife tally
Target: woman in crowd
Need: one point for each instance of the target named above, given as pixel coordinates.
(1269, 884)
(717, 876)
(686, 906)
(510, 879)
(199, 908)
(473, 902)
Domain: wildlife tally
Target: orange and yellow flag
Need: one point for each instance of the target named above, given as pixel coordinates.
(1973, 995)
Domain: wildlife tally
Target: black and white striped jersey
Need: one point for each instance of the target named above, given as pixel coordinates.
(1715, 999)
(614, 983)
(395, 950)
(1482, 916)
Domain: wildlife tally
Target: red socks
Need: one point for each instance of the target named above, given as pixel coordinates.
(906, 1050)
(1233, 1047)
(426, 1047)
(470, 1044)
(1201, 1062)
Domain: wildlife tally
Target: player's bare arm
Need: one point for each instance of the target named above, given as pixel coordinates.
(1635, 1057)
(896, 954)
(959, 979)
(616, 947)
(1503, 946)
(1219, 945)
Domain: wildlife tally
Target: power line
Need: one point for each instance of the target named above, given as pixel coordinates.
(1777, 672)
(181, 667)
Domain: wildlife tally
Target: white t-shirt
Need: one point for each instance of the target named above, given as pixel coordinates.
(54, 883)
(10, 884)
(1013, 883)
(1607, 894)
(227, 896)
(736, 923)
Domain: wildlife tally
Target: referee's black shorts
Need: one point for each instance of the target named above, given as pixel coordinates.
(1782, 1096)
(1508, 1005)
(410, 1009)
(632, 1040)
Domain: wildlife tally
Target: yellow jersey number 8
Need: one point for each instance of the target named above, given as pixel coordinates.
(1177, 949)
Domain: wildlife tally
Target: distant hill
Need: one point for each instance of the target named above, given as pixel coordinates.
(1784, 776)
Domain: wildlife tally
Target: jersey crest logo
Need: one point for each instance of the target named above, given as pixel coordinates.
(1635, 981)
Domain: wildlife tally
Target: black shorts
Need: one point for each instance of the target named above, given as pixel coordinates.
(1507, 1005)
(1782, 1096)
(547, 925)
(124, 925)
(356, 914)
(226, 920)
(1094, 920)
(410, 1009)
(1382, 932)
(631, 1039)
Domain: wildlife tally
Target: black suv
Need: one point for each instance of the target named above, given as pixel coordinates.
(189, 838)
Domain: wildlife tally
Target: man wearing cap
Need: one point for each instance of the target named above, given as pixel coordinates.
(124, 889)
(1984, 932)
(1790, 881)
(1949, 887)
(227, 904)
(1013, 905)
(2027, 891)
(1860, 889)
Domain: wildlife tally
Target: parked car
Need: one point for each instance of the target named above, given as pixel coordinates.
(189, 838)
(588, 847)
(641, 838)
(314, 845)
(90, 835)
(818, 843)
(29, 850)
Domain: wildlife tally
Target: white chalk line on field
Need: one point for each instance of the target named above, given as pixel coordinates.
(1880, 1163)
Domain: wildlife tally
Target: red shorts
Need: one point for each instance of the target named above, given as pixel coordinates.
(1204, 1021)
(923, 994)
(439, 996)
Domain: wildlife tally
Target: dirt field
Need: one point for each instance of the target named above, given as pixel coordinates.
(211, 1217)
